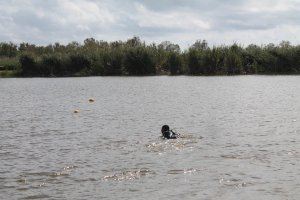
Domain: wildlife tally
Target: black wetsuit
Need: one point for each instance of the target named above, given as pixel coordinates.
(169, 135)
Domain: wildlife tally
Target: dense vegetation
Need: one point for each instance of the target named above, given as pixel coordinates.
(134, 57)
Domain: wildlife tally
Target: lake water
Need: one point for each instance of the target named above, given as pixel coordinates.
(240, 138)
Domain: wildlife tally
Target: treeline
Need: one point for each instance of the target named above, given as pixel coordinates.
(135, 57)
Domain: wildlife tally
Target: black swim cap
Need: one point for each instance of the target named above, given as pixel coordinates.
(165, 128)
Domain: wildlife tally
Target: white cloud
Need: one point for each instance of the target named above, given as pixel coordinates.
(272, 6)
(86, 12)
(180, 21)
(173, 20)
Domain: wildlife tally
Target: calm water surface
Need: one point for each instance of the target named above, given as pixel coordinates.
(240, 138)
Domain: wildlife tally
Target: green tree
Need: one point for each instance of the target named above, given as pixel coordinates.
(112, 63)
(174, 63)
(139, 61)
(8, 49)
(28, 65)
(233, 62)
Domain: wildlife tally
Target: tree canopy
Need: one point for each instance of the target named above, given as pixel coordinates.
(135, 57)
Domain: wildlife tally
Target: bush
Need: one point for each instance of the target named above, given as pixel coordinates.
(78, 62)
(112, 63)
(97, 68)
(134, 57)
(28, 65)
(8, 49)
(10, 63)
(138, 61)
(174, 63)
(233, 62)
(52, 65)
(198, 61)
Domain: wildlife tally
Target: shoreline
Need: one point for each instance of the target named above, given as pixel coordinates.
(14, 74)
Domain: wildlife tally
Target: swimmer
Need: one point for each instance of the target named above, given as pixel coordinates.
(167, 133)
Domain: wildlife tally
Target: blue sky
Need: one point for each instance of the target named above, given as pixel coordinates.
(179, 21)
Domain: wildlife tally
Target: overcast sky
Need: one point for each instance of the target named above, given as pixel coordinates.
(179, 21)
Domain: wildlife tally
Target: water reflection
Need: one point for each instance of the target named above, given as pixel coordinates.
(183, 142)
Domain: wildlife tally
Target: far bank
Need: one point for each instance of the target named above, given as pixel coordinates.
(135, 58)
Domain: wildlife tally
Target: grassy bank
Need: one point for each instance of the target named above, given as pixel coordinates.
(9, 74)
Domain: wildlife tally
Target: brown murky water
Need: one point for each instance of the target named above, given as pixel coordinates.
(240, 138)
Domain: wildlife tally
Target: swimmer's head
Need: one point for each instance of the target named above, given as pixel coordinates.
(165, 128)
